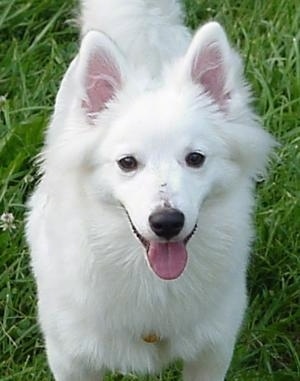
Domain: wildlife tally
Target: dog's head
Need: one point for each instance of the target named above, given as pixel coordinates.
(161, 147)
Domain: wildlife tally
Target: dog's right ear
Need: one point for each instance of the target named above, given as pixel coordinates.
(100, 73)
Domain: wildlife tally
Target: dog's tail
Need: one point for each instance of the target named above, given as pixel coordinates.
(139, 27)
(110, 16)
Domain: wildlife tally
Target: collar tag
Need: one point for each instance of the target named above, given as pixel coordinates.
(152, 338)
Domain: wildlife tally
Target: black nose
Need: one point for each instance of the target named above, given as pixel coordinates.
(166, 223)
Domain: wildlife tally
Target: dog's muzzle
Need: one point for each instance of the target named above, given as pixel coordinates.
(166, 258)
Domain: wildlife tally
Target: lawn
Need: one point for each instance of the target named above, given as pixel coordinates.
(37, 41)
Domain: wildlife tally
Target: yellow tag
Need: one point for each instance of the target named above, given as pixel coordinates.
(151, 338)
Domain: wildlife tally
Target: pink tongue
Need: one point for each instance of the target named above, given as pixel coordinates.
(167, 260)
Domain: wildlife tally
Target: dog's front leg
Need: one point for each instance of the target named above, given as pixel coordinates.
(211, 365)
(66, 369)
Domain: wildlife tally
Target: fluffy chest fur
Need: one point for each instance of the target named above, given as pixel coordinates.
(94, 276)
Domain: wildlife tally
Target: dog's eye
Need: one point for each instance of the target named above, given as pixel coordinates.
(128, 163)
(195, 159)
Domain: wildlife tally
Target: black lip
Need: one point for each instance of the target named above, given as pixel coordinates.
(145, 242)
(187, 238)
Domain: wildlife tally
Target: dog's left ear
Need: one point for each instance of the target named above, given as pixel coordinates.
(212, 64)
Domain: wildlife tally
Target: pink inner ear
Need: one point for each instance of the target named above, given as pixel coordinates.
(208, 70)
(102, 81)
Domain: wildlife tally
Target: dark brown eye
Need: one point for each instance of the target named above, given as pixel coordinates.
(195, 159)
(128, 163)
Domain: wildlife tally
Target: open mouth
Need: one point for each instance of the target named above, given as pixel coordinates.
(167, 259)
(146, 243)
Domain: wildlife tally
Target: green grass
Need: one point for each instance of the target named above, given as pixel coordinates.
(36, 45)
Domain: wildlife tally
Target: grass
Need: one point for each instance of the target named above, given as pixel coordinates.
(36, 45)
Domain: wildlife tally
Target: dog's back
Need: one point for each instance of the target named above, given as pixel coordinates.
(150, 33)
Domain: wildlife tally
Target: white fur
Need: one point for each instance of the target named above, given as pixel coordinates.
(97, 294)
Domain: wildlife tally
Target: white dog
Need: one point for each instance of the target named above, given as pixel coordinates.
(141, 224)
